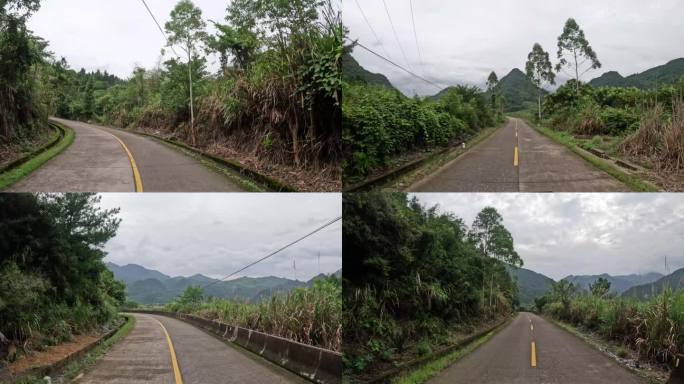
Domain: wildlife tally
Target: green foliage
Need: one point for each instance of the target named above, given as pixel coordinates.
(53, 282)
(654, 328)
(600, 287)
(412, 274)
(380, 124)
(574, 52)
(539, 70)
(307, 315)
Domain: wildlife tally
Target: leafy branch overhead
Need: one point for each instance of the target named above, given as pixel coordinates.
(574, 52)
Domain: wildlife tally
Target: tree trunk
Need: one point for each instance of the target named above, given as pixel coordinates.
(539, 101)
(192, 108)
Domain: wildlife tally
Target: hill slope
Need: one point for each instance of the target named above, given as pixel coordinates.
(147, 286)
(663, 74)
(518, 91)
(675, 280)
(530, 284)
(618, 284)
(353, 72)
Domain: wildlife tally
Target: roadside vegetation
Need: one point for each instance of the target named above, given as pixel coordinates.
(53, 282)
(311, 315)
(273, 103)
(653, 329)
(381, 125)
(642, 125)
(417, 280)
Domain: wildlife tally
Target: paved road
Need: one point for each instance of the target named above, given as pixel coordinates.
(543, 166)
(144, 357)
(561, 358)
(97, 162)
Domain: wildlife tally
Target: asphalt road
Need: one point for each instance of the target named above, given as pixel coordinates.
(97, 162)
(144, 356)
(560, 358)
(542, 166)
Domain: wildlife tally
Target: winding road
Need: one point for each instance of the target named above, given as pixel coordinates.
(145, 356)
(517, 158)
(103, 159)
(531, 350)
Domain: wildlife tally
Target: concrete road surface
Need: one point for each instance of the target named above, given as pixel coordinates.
(144, 357)
(558, 358)
(97, 162)
(540, 165)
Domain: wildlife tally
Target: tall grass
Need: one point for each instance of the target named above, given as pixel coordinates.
(654, 328)
(308, 315)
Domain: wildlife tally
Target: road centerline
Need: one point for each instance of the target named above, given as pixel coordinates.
(136, 172)
(174, 361)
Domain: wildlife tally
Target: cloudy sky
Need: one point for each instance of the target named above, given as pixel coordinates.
(216, 234)
(576, 234)
(110, 35)
(461, 42)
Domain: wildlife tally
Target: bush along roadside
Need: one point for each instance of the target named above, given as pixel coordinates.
(17, 170)
(652, 329)
(645, 127)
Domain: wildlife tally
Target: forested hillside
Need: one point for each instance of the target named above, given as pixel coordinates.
(53, 282)
(618, 284)
(517, 91)
(674, 281)
(145, 286)
(274, 103)
(414, 278)
(354, 73)
(652, 78)
(531, 285)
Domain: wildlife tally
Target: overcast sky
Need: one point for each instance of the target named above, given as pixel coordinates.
(461, 42)
(216, 234)
(577, 234)
(111, 35)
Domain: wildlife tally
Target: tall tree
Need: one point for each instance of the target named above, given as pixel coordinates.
(600, 287)
(187, 29)
(540, 71)
(492, 84)
(575, 53)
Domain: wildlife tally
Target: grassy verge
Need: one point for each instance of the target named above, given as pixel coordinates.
(73, 369)
(430, 370)
(9, 178)
(634, 183)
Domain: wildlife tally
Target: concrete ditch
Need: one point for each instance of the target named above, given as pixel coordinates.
(313, 363)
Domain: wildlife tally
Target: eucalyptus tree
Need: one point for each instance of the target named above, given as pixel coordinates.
(492, 84)
(575, 53)
(187, 30)
(540, 71)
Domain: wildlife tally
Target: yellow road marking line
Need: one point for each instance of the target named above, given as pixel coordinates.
(174, 361)
(533, 356)
(532, 327)
(515, 157)
(136, 172)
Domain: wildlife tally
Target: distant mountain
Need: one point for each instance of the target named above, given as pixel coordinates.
(147, 286)
(530, 284)
(353, 72)
(518, 91)
(663, 74)
(618, 284)
(675, 280)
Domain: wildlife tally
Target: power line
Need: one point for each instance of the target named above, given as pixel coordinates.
(159, 26)
(398, 66)
(372, 29)
(415, 35)
(396, 37)
(329, 223)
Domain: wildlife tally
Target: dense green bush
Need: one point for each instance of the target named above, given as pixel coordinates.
(53, 282)
(654, 328)
(380, 124)
(412, 275)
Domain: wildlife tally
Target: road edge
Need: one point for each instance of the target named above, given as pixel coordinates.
(410, 367)
(437, 159)
(70, 366)
(632, 182)
(575, 332)
(327, 368)
(266, 181)
(22, 167)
